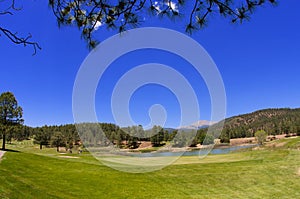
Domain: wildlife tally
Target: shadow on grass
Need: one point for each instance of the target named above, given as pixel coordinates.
(10, 150)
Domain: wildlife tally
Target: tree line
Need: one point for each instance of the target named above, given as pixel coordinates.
(86, 134)
(271, 121)
(104, 134)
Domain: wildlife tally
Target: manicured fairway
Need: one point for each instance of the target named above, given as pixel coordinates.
(268, 173)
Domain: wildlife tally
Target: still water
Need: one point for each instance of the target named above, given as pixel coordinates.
(194, 152)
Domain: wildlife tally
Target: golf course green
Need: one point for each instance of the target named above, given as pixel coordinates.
(272, 171)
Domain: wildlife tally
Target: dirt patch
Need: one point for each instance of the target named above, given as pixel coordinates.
(257, 148)
(252, 140)
(145, 145)
(241, 141)
(280, 144)
(272, 144)
(298, 172)
(64, 156)
(280, 136)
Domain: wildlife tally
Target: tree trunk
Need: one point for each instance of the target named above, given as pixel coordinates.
(57, 148)
(41, 146)
(4, 139)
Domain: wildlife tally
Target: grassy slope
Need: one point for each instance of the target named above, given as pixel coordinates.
(270, 173)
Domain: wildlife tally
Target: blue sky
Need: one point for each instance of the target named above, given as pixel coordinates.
(258, 60)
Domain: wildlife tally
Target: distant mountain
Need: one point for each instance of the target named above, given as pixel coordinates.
(197, 125)
(170, 130)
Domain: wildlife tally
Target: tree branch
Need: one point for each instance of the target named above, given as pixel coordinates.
(20, 40)
(88, 15)
(13, 37)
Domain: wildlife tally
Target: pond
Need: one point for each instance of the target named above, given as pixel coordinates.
(194, 152)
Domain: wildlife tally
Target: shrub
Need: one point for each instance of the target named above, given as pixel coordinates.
(261, 136)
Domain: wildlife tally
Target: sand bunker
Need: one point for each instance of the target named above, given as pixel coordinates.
(64, 156)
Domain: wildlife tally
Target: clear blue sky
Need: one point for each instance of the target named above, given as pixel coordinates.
(259, 62)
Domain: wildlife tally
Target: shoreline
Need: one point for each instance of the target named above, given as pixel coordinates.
(236, 142)
(185, 149)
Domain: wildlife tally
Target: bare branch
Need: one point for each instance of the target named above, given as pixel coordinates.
(6, 12)
(13, 37)
(20, 40)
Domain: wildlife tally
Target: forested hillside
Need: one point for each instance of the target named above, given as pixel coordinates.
(273, 121)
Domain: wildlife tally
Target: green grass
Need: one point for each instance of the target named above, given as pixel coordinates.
(266, 173)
